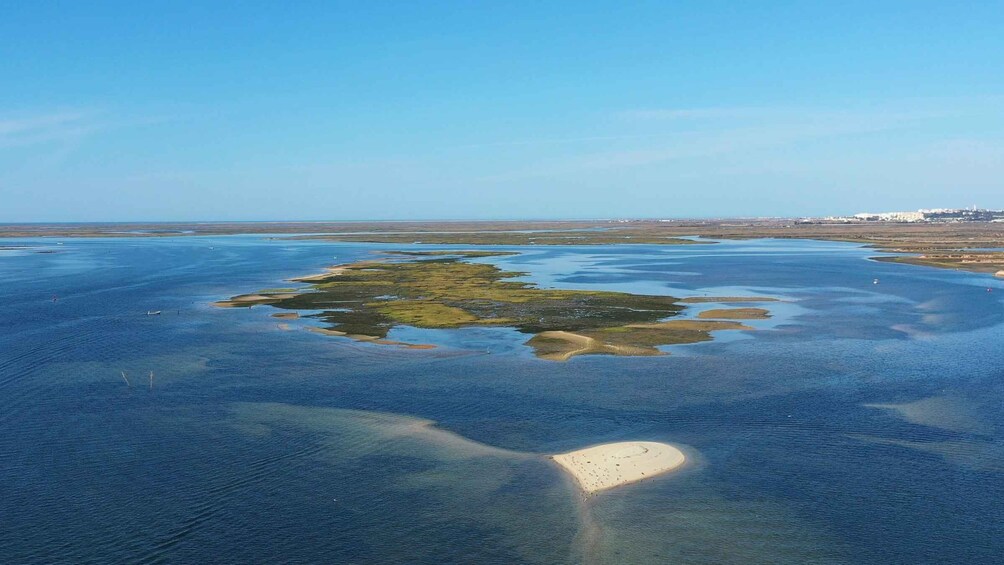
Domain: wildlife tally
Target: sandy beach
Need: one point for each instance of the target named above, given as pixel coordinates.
(248, 300)
(610, 465)
(333, 271)
(330, 271)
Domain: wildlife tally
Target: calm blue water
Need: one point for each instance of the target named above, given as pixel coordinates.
(862, 424)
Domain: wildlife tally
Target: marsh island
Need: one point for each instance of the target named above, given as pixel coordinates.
(446, 289)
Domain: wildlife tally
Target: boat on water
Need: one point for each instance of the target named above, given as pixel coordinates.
(153, 312)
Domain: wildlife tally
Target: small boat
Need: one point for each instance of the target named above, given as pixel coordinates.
(875, 281)
(153, 312)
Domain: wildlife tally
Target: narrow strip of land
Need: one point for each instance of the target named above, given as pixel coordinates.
(972, 246)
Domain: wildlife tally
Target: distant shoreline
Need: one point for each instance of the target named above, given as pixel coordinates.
(970, 246)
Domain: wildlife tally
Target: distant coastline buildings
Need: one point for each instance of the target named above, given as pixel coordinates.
(934, 215)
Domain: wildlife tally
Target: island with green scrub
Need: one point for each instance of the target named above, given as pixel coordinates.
(445, 289)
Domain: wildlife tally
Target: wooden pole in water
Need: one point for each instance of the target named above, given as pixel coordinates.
(151, 380)
(126, 379)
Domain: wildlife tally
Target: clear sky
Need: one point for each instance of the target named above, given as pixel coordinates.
(436, 110)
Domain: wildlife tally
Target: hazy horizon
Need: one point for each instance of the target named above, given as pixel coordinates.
(122, 112)
(452, 220)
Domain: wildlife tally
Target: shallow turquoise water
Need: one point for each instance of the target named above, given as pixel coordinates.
(862, 424)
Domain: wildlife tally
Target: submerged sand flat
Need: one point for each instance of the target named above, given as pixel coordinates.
(726, 299)
(613, 464)
(369, 338)
(948, 413)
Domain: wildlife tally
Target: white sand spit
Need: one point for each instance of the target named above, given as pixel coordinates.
(613, 464)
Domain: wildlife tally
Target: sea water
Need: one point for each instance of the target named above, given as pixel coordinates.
(862, 423)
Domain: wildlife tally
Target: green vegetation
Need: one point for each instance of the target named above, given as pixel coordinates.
(440, 289)
(424, 313)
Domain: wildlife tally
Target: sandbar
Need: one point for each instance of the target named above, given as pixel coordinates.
(573, 344)
(611, 465)
(735, 314)
(249, 300)
(333, 271)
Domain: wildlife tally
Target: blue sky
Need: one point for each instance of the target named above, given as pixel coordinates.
(408, 110)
